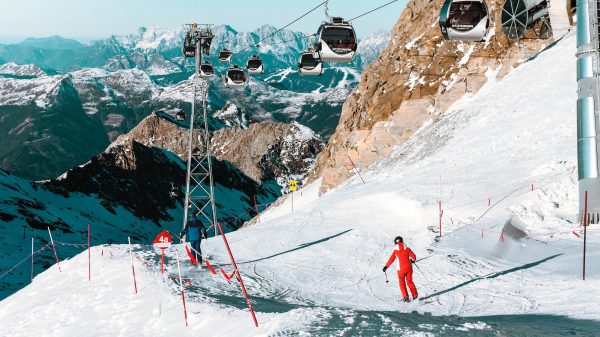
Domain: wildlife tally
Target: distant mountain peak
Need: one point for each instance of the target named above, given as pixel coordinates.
(52, 42)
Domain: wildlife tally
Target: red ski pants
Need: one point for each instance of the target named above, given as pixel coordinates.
(404, 277)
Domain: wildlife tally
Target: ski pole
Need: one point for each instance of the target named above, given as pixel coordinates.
(386, 278)
(416, 265)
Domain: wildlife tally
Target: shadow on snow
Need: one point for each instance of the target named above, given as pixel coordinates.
(490, 276)
(301, 246)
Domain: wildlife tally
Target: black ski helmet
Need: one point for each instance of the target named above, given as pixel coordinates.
(398, 239)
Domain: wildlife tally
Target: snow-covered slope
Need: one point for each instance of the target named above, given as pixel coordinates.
(494, 145)
(108, 306)
(38, 91)
(325, 256)
(26, 70)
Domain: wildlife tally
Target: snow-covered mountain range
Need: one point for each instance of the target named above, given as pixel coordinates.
(104, 89)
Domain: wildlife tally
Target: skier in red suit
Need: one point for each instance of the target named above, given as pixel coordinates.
(405, 258)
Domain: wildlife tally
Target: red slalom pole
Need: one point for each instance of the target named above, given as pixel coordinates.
(181, 288)
(54, 248)
(132, 267)
(239, 276)
(356, 169)
(585, 224)
(89, 257)
(32, 259)
(256, 208)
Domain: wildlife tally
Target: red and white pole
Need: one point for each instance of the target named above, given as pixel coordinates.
(585, 224)
(239, 276)
(54, 248)
(440, 215)
(89, 257)
(181, 287)
(357, 171)
(132, 267)
(32, 259)
(162, 260)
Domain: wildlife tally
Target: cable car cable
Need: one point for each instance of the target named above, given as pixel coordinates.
(284, 27)
(373, 10)
(288, 41)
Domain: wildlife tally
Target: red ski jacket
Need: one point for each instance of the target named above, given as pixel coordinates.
(403, 254)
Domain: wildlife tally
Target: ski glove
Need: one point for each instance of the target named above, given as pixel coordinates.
(385, 268)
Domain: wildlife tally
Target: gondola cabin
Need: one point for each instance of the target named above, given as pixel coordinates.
(206, 36)
(189, 45)
(337, 41)
(310, 64)
(464, 20)
(255, 65)
(235, 77)
(225, 55)
(206, 70)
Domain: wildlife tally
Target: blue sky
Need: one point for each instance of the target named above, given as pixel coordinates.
(87, 19)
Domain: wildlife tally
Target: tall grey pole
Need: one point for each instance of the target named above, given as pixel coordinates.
(200, 195)
(588, 108)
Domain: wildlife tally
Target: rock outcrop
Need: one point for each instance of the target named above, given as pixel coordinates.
(142, 179)
(262, 151)
(231, 115)
(269, 151)
(150, 183)
(414, 81)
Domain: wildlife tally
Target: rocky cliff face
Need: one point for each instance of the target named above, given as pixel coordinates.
(149, 182)
(265, 151)
(269, 151)
(414, 81)
(144, 180)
